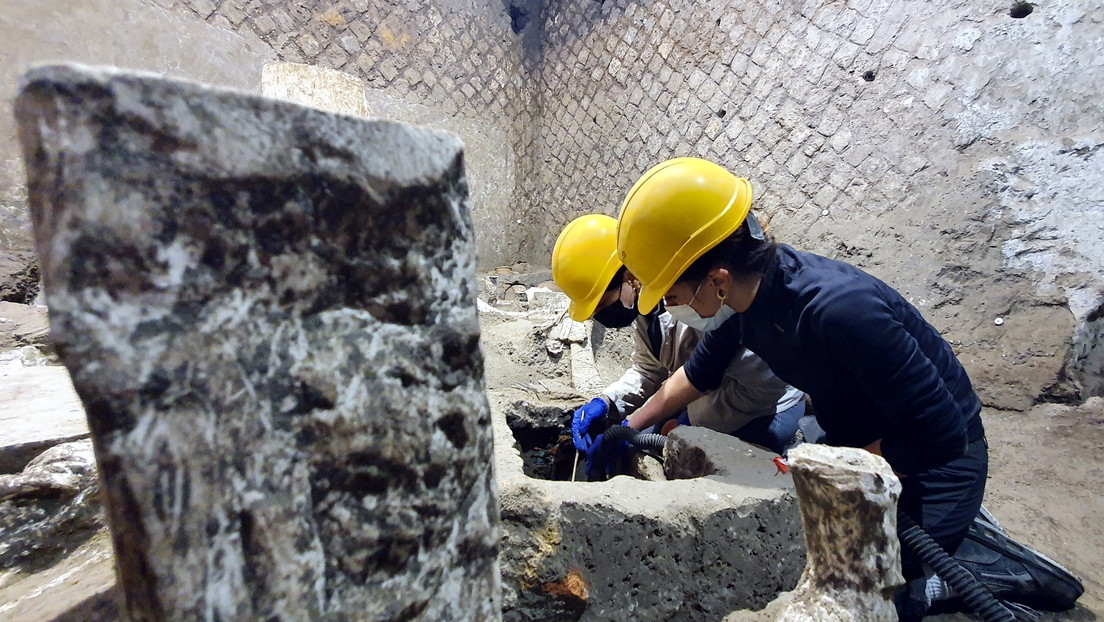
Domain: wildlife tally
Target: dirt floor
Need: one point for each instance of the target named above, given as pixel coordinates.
(1045, 488)
(1045, 483)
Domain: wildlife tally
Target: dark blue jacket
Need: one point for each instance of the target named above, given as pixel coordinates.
(872, 365)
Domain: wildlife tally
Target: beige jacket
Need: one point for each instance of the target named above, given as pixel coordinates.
(749, 390)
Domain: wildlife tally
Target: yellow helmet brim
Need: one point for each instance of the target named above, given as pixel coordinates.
(672, 216)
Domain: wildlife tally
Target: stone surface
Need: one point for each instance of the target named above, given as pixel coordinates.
(38, 409)
(78, 588)
(267, 311)
(848, 499)
(636, 550)
(323, 88)
(697, 452)
(18, 277)
(50, 507)
(572, 340)
(645, 467)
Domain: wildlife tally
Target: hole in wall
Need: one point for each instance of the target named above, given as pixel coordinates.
(519, 18)
(1021, 10)
(721, 113)
(543, 432)
(868, 76)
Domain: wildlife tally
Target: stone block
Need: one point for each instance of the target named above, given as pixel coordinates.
(49, 507)
(267, 311)
(697, 452)
(848, 501)
(630, 550)
(38, 409)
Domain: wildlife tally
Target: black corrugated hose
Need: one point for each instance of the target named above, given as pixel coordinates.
(654, 442)
(977, 596)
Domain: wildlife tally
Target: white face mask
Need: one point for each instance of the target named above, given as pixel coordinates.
(686, 314)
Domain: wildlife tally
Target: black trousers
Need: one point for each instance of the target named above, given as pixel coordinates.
(944, 501)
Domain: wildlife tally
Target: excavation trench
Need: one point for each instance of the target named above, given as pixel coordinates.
(543, 435)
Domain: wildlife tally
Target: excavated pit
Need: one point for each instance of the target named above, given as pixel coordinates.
(691, 549)
(543, 435)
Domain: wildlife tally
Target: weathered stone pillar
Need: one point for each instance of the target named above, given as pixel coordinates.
(268, 313)
(848, 500)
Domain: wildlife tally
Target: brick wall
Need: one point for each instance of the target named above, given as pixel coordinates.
(457, 65)
(951, 148)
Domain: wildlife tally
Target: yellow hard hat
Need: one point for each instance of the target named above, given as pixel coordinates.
(676, 212)
(584, 261)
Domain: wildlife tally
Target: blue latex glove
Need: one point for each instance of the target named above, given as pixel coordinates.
(581, 420)
(603, 457)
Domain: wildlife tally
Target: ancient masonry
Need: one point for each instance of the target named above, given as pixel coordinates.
(266, 310)
(848, 500)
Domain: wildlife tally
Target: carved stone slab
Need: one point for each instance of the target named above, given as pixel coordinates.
(267, 311)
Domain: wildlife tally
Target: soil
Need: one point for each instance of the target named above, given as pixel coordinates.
(1044, 485)
(1045, 488)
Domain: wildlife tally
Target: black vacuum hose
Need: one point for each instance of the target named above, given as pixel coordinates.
(977, 596)
(654, 442)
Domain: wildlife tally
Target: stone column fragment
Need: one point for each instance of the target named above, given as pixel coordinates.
(848, 500)
(267, 311)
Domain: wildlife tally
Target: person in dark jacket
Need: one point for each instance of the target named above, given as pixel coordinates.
(879, 376)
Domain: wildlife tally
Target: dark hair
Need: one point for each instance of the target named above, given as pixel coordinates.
(740, 253)
(617, 280)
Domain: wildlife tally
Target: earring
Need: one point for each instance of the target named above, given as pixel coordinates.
(721, 294)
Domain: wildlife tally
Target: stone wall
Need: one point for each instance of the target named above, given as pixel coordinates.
(459, 65)
(130, 33)
(952, 149)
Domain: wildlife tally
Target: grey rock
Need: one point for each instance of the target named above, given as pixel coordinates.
(267, 312)
(1086, 362)
(693, 451)
(50, 507)
(529, 419)
(635, 550)
(38, 409)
